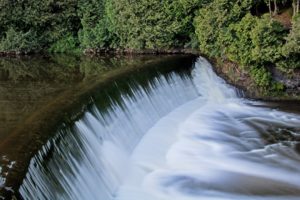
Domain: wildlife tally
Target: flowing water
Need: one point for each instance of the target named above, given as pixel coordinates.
(180, 136)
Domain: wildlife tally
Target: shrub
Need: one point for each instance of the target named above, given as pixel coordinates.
(292, 45)
(95, 37)
(289, 64)
(261, 76)
(238, 41)
(19, 42)
(267, 38)
(212, 21)
(65, 44)
(148, 24)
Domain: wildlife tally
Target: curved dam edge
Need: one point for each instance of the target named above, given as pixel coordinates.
(37, 128)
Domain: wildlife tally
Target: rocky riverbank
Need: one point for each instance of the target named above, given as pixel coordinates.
(242, 79)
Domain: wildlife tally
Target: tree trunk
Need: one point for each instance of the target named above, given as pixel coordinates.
(270, 8)
(275, 7)
(294, 7)
(298, 5)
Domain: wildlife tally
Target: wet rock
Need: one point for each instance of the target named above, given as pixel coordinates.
(297, 147)
(290, 80)
(281, 135)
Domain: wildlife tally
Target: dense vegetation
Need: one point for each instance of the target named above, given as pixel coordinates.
(252, 33)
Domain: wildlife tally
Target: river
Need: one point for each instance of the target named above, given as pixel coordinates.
(172, 130)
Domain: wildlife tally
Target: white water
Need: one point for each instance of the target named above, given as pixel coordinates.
(172, 143)
(2, 180)
(90, 159)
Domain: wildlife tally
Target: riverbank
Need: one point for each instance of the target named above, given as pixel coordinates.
(230, 71)
(241, 78)
(111, 51)
(289, 83)
(172, 51)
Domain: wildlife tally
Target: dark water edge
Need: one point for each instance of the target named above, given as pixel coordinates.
(110, 52)
(42, 93)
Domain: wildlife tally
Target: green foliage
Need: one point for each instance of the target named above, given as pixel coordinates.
(193, 43)
(292, 45)
(267, 38)
(213, 20)
(227, 29)
(52, 20)
(254, 40)
(220, 28)
(289, 63)
(94, 37)
(148, 24)
(19, 42)
(47, 20)
(94, 32)
(239, 44)
(261, 77)
(66, 44)
(277, 87)
(291, 49)
(191, 5)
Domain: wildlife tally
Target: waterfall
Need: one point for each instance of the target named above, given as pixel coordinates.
(184, 137)
(89, 160)
(210, 85)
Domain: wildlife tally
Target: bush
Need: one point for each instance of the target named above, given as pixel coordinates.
(239, 44)
(148, 24)
(19, 42)
(267, 38)
(95, 37)
(292, 45)
(94, 32)
(66, 44)
(261, 77)
(254, 40)
(291, 49)
(212, 21)
(289, 64)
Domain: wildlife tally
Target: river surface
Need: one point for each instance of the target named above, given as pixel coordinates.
(171, 130)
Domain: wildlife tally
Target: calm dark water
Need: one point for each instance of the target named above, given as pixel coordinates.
(130, 128)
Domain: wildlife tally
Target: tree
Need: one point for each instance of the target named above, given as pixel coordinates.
(94, 32)
(213, 20)
(296, 6)
(49, 20)
(19, 41)
(267, 38)
(238, 41)
(293, 40)
(148, 24)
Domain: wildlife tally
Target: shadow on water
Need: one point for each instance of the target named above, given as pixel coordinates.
(42, 93)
